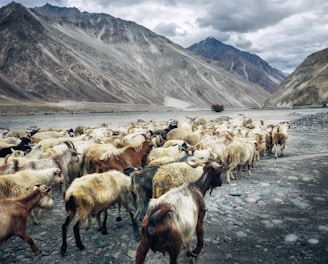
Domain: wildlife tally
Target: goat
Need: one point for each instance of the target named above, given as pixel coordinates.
(95, 193)
(13, 185)
(183, 129)
(14, 213)
(44, 134)
(280, 136)
(9, 167)
(59, 160)
(268, 139)
(164, 155)
(173, 175)
(163, 132)
(122, 158)
(24, 145)
(141, 185)
(241, 152)
(172, 219)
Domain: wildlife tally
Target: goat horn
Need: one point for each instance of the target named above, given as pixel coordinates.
(70, 144)
(216, 165)
(194, 162)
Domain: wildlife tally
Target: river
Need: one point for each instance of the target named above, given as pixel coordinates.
(13, 122)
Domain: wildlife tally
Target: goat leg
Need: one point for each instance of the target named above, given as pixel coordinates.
(135, 227)
(199, 231)
(30, 241)
(104, 228)
(76, 230)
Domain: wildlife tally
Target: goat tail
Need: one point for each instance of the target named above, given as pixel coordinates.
(157, 216)
(70, 204)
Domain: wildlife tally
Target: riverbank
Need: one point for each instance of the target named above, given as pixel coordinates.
(71, 107)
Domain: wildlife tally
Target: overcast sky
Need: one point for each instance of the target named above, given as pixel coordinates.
(282, 32)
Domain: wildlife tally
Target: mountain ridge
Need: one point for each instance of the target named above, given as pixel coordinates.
(249, 66)
(94, 57)
(307, 85)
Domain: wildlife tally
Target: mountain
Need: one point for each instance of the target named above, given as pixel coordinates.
(306, 86)
(249, 66)
(51, 54)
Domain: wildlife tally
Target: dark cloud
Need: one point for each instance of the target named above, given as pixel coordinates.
(243, 16)
(168, 29)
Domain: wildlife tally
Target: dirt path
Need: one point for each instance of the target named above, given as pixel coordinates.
(277, 215)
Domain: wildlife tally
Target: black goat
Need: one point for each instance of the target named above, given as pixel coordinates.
(24, 145)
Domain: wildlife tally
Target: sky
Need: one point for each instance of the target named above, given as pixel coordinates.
(281, 32)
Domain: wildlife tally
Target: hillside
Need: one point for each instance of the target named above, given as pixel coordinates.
(306, 86)
(50, 54)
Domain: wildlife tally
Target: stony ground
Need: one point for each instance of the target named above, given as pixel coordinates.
(277, 215)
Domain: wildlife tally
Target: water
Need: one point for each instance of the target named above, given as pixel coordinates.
(117, 119)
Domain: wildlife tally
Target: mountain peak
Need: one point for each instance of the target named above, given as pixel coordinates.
(245, 64)
(55, 11)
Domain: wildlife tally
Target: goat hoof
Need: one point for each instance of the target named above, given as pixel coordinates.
(81, 247)
(104, 232)
(192, 254)
(63, 251)
(118, 219)
(37, 250)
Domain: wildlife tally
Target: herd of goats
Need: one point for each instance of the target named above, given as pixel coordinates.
(158, 171)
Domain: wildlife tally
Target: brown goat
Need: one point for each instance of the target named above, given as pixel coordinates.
(14, 213)
(126, 157)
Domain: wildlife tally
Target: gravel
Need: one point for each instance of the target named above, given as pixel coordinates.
(277, 215)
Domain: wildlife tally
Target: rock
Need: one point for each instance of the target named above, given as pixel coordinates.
(323, 228)
(290, 238)
(241, 234)
(313, 241)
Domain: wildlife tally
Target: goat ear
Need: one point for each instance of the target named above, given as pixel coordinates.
(36, 186)
(48, 189)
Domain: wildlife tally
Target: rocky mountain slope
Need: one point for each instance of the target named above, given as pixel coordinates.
(247, 65)
(52, 54)
(307, 85)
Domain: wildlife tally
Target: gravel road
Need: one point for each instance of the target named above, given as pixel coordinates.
(279, 214)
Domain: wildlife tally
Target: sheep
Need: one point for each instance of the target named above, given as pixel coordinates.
(12, 185)
(280, 136)
(173, 175)
(240, 152)
(95, 193)
(172, 219)
(14, 213)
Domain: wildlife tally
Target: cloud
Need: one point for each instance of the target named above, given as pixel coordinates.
(243, 16)
(168, 29)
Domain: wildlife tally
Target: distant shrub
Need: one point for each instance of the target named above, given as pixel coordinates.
(217, 107)
(325, 119)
